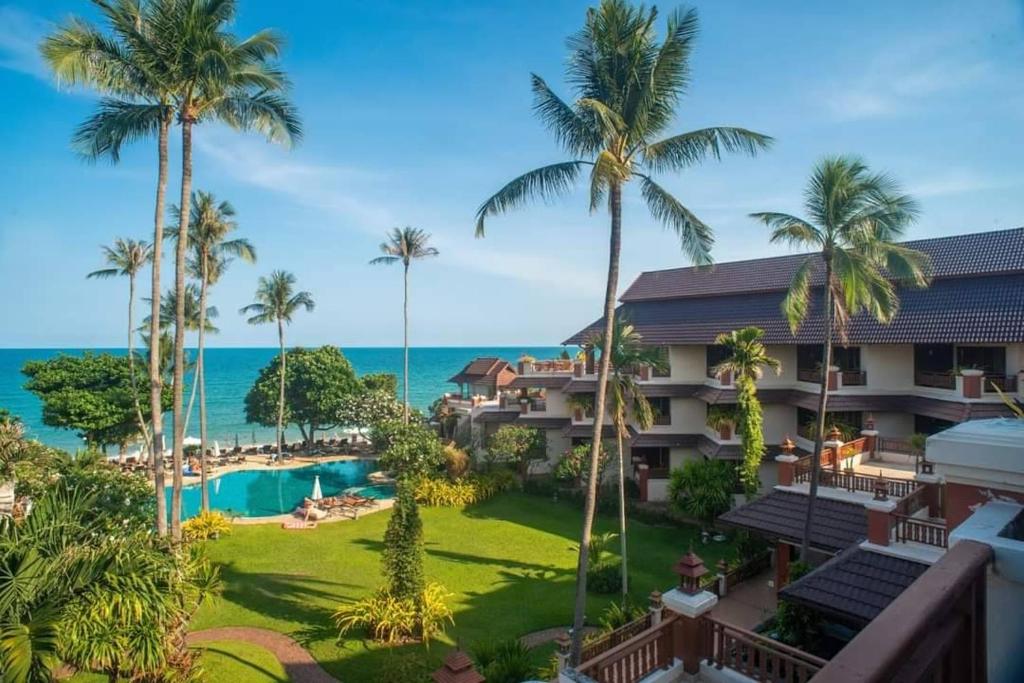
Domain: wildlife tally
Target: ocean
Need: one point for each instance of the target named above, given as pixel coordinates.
(230, 372)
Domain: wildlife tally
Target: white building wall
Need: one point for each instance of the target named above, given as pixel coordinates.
(889, 367)
(894, 425)
(688, 364)
(779, 422)
(556, 404)
(786, 355)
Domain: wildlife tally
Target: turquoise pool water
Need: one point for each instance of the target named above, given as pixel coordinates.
(271, 491)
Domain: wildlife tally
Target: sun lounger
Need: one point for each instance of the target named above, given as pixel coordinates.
(298, 525)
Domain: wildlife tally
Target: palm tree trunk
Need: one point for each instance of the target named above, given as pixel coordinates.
(179, 321)
(155, 379)
(201, 377)
(280, 396)
(614, 247)
(131, 360)
(405, 346)
(826, 361)
(619, 427)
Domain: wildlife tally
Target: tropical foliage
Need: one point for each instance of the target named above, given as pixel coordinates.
(319, 386)
(206, 525)
(505, 661)
(407, 449)
(392, 620)
(853, 218)
(278, 302)
(702, 489)
(474, 488)
(574, 465)
(746, 362)
(405, 245)
(92, 394)
(518, 446)
(628, 85)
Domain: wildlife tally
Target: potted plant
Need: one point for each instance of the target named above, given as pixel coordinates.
(581, 404)
(722, 419)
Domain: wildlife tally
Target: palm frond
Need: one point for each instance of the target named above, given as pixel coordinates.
(694, 236)
(267, 113)
(115, 124)
(789, 229)
(689, 149)
(797, 299)
(574, 132)
(545, 183)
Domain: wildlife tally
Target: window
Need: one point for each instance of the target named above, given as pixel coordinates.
(662, 407)
(808, 357)
(930, 425)
(715, 355)
(991, 359)
(933, 358)
(667, 371)
(655, 458)
(849, 423)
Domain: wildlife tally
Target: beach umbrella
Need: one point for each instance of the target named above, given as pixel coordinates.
(190, 441)
(216, 449)
(236, 439)
(317, 493)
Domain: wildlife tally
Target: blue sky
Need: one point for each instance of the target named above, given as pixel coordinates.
(416, 112)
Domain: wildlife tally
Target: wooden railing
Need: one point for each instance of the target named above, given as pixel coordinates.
(918, 530)
(658, 473)
(805, 375)
(756, 656)
(911, 503)
(606, 641)
(748, 569)
(635, 658)
(854, 378)
(852, 448)
(849, 481)
(901, 446)
(554, 365)
(939, 380)
(1005, 383)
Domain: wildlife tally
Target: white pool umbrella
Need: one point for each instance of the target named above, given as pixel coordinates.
(190, 441)
(317, 493)
(216, 449)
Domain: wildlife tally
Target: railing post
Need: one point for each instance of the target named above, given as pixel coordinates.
(834, 381)
(690, 602)
(563, 646)
(786, 462)
(934, 489)
(656, 607)
(723, 587)
(870, 435)
(971, 383)
(643, 476)
(880, 513)
(782, 556)
(834, 443)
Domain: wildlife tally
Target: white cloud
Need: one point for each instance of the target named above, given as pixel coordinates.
(20, 33)
(959, 181)
(359, 199)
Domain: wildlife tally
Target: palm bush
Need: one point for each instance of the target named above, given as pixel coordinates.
(703, 489)
(390, 619)
(506, 661)
(205, 526)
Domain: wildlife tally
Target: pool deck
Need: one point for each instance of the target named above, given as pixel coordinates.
(382, 504)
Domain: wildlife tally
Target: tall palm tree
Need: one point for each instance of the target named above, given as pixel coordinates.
(405, 245)
(125, 259)
(134, 69)
(626, 400)
(853, 216)
(628, 87)
(228, 80)
(746, 361)
(211, 223)
(277, 301)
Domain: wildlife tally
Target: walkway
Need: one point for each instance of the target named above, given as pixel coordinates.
(298, 664)
(749, 603)
(538, 638)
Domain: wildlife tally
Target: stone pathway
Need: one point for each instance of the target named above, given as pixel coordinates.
(298, 664)
(749, 603)
(538, 638)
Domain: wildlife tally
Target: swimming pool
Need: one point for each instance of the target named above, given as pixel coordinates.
(273, 491)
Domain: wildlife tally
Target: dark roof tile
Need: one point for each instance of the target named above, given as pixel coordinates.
(780, 514)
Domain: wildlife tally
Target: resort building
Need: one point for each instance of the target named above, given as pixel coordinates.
(936, 365)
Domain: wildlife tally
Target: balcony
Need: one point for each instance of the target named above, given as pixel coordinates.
(937, 380)
(539, 367)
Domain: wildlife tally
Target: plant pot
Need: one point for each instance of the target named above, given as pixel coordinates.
(725, 433)
(972, 373)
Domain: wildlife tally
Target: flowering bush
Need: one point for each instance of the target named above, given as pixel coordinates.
(206, 525)
(389, 619)
(474, 488)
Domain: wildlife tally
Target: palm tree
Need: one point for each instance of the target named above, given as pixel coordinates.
(224, 79)
(210, 224)
(404, 246)
(746, 361)
(134, 70)
(628, 87)
(125, 259)
(277, 301)
(853, 216)
(626, 399)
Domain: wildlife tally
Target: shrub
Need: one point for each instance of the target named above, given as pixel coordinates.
(206, 525)
(456, 461)
(703, 489)
(605, 578)
(389, 619)
(439, 492)
(575, 464)
(518, 446)
(403, 547)
(798, 625)
(618, 615)
(506, 661)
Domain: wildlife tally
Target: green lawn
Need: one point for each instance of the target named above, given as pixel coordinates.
(227, 661)
(510, 563)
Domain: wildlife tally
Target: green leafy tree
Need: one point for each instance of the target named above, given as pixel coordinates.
(574, 465)
(132, 66)
(380, 381)
(746, 361)
(277, 302)
(403, 547)
(628, 86)
(318, 383)
(125, 259)
(91, 394)
(626, 400)
(854, 216)
(518, 446)
(405, 245)
(407, 449)
(367, 408)
(211, 224)
(703, 489)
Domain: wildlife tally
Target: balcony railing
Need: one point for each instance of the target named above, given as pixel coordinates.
(1005, 383)
(635, 658)
(755, 656)
(849, 481)
(938, 380)
(918, 530)
(854, 378)
(606, 641)
(552, 365)
(808, 375)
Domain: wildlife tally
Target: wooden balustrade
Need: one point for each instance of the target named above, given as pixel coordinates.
(918, 530)
(900, 446)
(755, 656)
(912, 502)
(635, 658)
(939, 380)
(854, 378)
(555, 365)
(606, 641)
(1005, 383)
(805, 375)
(852, 448)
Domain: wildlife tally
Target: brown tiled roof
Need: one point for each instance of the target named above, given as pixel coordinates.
(718, 451)
(983, 253)
(657, 440)
(964, 310)
(855, 586)
(780, 514)
(484, 370)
